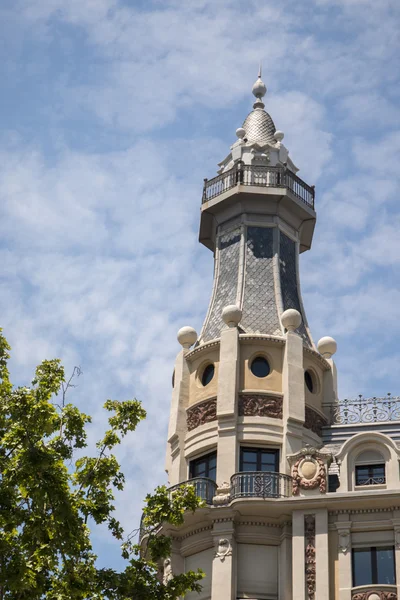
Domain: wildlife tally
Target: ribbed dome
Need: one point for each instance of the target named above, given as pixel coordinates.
(259, 127)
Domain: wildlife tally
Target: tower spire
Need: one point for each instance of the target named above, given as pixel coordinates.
(259, 90)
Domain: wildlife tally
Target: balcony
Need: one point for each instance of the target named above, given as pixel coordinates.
(260, 176)
(205, 488)
(366, 411)
(258, 484)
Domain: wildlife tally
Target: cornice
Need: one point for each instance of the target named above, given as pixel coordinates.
(202, 348)
(362, 511)
(324, 363)
(251, 337)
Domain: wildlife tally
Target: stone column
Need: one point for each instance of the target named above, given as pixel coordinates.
(343, 526)
(322, 554)
(293, 384)
(223, 585)
(228, 382)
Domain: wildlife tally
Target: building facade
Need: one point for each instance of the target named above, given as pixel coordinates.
(301, 489)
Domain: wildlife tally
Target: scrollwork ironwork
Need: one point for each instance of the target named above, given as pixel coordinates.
(366, 410)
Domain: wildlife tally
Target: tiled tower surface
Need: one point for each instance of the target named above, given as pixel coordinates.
(256, 268)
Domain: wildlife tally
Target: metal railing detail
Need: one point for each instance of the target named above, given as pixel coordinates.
(372, 481)
(262, 176)
(258, 484)
(205, 488)
(366, 410)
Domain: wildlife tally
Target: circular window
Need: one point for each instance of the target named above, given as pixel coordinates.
(260, 367)
(309, 379)
(207, 375)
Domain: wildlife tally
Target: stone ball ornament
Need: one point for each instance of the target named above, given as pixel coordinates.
(240, 133)
(259, 88)
(291, 319)
(279, 135)
(187, 336)
(327, 346)
(231, 315)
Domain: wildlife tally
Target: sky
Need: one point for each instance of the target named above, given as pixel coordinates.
(111, 114)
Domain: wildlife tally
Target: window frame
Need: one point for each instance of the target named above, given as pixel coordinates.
(259, 451)
(373, 564)
(198, 459)
(370, 468)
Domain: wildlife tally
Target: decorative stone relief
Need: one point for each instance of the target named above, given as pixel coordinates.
(314, 421)
(310, 563)
(224, 549)
(309, 470)
(344, 540)
(204, 412)
(260, 406)
(223, 494)
(167, 573)
(374, 595)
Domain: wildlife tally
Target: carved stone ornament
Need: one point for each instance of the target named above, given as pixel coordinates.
(310, 563)
(314, 421)
(224, 549)
(374, 595)
(204, 412)
(167, 574)
(260, 406)
(309, 470)
(344, 541)
(223, 494)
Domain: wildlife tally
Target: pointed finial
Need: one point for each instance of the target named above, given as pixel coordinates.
(259, 90)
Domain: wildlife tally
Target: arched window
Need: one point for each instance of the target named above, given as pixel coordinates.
(370, 468)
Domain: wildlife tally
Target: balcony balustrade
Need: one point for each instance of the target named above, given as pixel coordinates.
(258, 484)
(366, 410)
(261, 176)
(205, 488)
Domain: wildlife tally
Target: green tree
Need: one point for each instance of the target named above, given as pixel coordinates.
(48, 496)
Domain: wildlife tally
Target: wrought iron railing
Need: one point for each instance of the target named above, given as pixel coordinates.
(366, 410)
(205, 488)
(258, 484)
(262, 176)
(372, 481)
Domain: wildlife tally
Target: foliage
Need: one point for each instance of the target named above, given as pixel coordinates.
(48, 496)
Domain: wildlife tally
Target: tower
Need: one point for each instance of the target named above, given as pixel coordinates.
(255, 421)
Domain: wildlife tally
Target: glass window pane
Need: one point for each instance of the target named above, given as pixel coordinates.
(249, 456)
(385, 566)
(199, 468)
(362, 475)
(268, 461)
(378, 473)
(212, 472)
(362, 568)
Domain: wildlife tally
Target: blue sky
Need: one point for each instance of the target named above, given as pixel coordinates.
(113, 112)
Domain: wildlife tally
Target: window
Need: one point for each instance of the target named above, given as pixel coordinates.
(207, 375)
(205, 466)
(260, 367)
(370, 474)
(373, 565)
(308, 378)
(370, 468)
(259, 459)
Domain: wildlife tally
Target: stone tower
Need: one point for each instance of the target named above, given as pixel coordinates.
(255, 421)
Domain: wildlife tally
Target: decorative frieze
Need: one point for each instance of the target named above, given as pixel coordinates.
(260, 406)
(309, 470)
(310, 562)
(314, 421)
(203, 412)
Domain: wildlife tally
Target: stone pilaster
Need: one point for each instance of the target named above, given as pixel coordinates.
(224, 563)
(293, 393)
(343, 526)
(175, 461)
(228, 382)
(396, 528)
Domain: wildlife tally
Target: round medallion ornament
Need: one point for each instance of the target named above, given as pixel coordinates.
(374, 597)
(308, 469)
